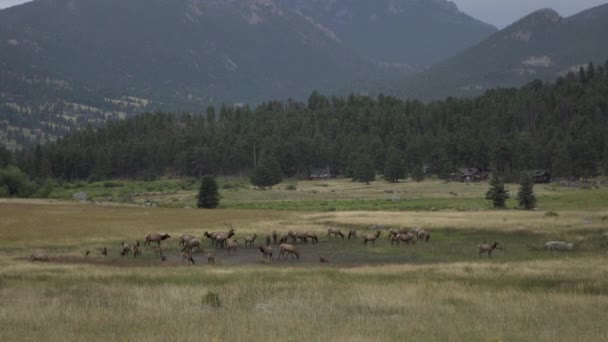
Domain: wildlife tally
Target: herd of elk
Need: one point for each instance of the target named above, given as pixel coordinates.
(222, 239)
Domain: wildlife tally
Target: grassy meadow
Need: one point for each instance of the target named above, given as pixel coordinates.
(435, 291)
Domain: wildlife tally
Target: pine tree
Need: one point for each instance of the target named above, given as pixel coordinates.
(208, 195)
(525, 195)
(364, 169)
(394, 168)
(267, 173)
(418, 173)
(497, 192)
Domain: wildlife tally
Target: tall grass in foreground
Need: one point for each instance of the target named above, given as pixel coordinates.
(488, 301)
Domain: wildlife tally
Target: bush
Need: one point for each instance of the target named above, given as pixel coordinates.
(111, 184)
(551, 214)
(211, 299)
(45, 190)
(291, 187)
(15, 183)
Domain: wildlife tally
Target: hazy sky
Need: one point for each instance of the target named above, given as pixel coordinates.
(502, 13)
(497, 12)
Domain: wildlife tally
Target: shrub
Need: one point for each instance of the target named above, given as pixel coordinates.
(291, 187)
(551, 214)
(15, 183)
(211, 299)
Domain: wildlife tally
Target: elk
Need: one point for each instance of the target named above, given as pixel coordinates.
(423, 235)
(136, 250)
(298, 236)
(232, 245)
(191, 244)
(313, 237)
(371, 237)
(275, 237)
(104, 251)
(210, 258)
(267, 251)
(222, 237)
(352, 233)
(184, 238)
(335, 232)
(268, 240)
(405, 237)
(156, 238)
(287, 250)
(487, 248)
(284, 238)
(125, 248)
(187, 256)
(249, 240)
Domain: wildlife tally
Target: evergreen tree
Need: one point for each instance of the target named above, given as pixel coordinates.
(394, 168)
(418, 173)
(525, 195)
(364, 169)
(497, 192)
(208, 195)
(267, 173)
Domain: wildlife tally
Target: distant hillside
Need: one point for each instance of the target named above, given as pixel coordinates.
(186, 51)
(542, 46)
(410, 33)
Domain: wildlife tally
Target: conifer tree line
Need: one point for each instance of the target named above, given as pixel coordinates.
(560, 126)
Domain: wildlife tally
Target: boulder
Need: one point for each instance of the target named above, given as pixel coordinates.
(80, 196)
(559, 246)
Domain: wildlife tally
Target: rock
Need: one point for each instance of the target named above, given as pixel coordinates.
(559, 246)
(80, 196)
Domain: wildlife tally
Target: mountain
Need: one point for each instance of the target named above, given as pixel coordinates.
(182, 51)
(542, 45)
(408, 33)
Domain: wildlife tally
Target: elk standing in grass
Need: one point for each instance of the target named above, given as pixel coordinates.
(187, 256)
(275, 237)
(268, 239)
(352, 233)
(487, 248)
(210, 258)
(232, 246)
(136, 250)
(184, 238)
(267, 251)
(222, 237)
(313, 237)
(104, 251)
(405, 237)
(39, 256)
(287, 250)
(423, 235)
(156, 238)
(191, 244)
(249, 240)
(371, 237)
(335, 232)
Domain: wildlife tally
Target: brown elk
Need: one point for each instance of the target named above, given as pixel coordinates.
(187, 256)
(191, 244)
(313, 237)
(267, 251)
(287, 250)
(184, 238)
(275, 237)
(352, 233)
(210, 258)
(371, 237)
(335, 232)
(156, 238)
(487, 248)
(268, 239)
(249, 240)
(232, 246)
(405, 237)
(222, 237)
(424, 235)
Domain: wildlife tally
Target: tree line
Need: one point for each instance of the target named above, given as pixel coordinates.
(560, 126)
